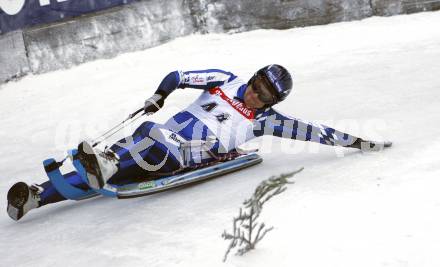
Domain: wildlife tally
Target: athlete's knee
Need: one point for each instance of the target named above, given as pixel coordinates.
(144, 129)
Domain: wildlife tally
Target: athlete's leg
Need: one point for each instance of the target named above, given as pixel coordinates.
(22, 198)
(147, 151)
(50, 193)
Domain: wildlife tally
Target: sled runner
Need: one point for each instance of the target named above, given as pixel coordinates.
(138, 189)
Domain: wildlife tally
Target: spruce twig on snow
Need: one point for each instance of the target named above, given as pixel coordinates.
(246, 231)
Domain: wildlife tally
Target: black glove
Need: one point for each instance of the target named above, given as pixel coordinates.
(153, 104)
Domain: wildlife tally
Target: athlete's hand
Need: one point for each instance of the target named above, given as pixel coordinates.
(153, 104)
(370, 146)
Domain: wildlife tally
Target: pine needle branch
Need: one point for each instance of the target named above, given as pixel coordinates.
(246, 221)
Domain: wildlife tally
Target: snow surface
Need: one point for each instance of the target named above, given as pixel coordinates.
(377, 78)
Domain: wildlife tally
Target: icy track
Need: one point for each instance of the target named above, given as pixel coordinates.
(378, 78)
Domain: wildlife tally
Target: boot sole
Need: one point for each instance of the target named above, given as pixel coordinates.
(18, 195)
(90, 163)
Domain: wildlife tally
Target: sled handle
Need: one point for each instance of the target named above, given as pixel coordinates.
(134, 114)
(118, 127)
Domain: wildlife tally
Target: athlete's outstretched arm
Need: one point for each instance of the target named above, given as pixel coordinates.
(271, 122)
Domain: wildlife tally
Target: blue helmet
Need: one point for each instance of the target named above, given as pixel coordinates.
(279, 78)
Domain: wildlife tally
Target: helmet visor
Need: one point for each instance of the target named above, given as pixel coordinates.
(263, 88)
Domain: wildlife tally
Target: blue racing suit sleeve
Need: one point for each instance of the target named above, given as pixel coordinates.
(271, 122)
(199, 79)
(169, 84)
